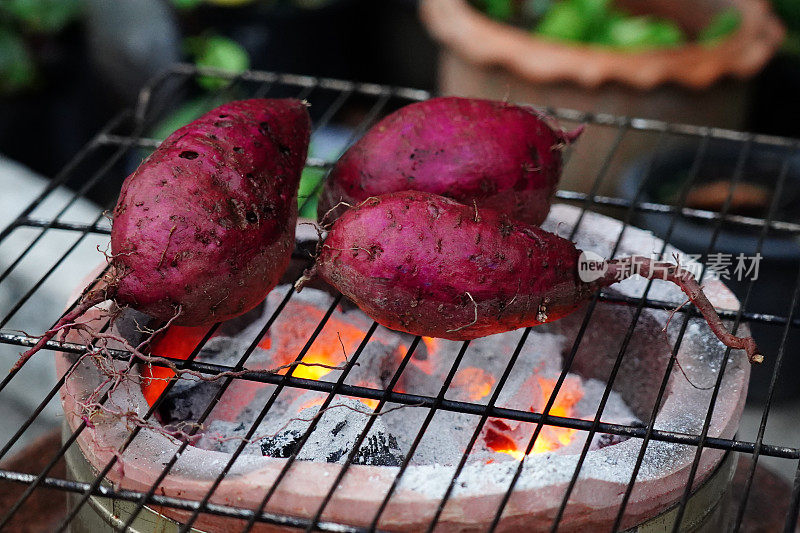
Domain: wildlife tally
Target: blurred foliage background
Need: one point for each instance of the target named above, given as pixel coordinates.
(67, 66)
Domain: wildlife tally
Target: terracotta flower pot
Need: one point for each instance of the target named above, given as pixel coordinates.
(693, 83)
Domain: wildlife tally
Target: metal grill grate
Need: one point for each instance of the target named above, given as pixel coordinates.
(103, 157)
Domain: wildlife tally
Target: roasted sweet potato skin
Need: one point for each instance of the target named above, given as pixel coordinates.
(496, 154)
(205, 225)
(429, 265)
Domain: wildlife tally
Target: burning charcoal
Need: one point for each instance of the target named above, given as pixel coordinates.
(606, 439)
(189, 397)
(187, 400)
(281, 445)
(379, 450)
(334, 437)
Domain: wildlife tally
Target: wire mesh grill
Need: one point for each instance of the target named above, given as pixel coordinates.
(122, 140)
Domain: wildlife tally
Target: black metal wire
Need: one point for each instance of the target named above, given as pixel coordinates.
(77, 505)
(75, 197)
(49, 466)
(68, 169)
(329, 114)
(420, 434)
(693, 174)
(573, 353)
(225, 384)
(343, 90)
(606, 393)
(175, 503)
(566, 367)
(476, 433)
(363, 435)
(447, 405)
(776, 195)
(312, 425)
(736, 178)
(138, 128)
(263, 89)
(595, 187)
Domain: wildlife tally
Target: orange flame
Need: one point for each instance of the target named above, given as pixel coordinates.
(431, 343)
(369, 402)
(503, 439)
(313, 402)
(266, 342)
(425, 363)
(177, 342)
(330, 348)
(475, 382)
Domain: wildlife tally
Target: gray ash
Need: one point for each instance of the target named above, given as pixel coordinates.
(394, 430)
(335, 435)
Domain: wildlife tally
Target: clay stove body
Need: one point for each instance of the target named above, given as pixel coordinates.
(538, 493)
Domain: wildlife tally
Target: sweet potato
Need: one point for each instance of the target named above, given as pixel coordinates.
(428, 265)
(496, 154)
(204, 228)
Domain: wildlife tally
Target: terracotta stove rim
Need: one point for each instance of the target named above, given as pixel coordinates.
(298, 496)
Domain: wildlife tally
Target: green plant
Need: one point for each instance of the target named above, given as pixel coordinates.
(723, 24)
(217, 52)
(17, 67)
(42, 16)
(600, 22)
(20, 22)
(789, 11)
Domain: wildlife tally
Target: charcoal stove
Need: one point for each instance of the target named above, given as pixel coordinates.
(484, 478)
(127, 472)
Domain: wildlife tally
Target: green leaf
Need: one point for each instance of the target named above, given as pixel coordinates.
(186, 5)
(593, 9)
(563, 21)
(498, 9)
(17, 68)
(183, 115)
(309, 181)
(218, 52)
(722, 25)
(533, 10)
(643, 32)
(665, 33)
(43, 16)
(789, 11)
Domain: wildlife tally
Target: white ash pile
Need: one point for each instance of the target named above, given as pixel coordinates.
(393, 431)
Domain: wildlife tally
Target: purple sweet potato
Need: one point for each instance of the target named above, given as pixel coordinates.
(428, 265)
(496, 154)
(204, 228)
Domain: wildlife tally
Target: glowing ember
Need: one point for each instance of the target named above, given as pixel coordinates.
(337, 339)
(497, 440)
(313, 402)
(177, 342)
(372, 404)
(265, 343)
(553, 437)
(431, 344)
(425, 360)
(501, 438)
(475, 382)
(329, 350)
